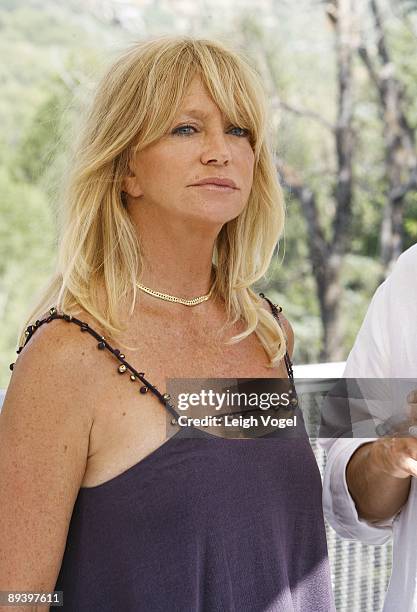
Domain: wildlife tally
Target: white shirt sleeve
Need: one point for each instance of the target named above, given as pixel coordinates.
(369, 358)
(339, 507)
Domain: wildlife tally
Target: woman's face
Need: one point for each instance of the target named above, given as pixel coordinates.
(200, 144)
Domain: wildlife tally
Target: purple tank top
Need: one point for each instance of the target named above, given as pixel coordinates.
(202, 524)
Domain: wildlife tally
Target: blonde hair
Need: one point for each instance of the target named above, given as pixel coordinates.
(98, 244)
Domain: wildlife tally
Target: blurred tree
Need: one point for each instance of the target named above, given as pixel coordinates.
(354, 177)
(326, 253)
(399, 139)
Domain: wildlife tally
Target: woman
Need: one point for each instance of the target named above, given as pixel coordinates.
(172, 212)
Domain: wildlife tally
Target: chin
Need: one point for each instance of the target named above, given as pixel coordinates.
(208, 221)
(220, 216)
(219, 212)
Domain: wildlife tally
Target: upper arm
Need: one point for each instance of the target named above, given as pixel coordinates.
(44, 438)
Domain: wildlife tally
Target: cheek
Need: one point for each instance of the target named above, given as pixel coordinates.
(171, 166)
(247, 166)
(155, 172)
(244, 155)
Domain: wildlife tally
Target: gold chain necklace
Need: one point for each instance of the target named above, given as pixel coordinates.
(173, 298)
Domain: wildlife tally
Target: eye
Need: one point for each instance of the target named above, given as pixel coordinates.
(184, 130)
(243, 131)
(180, 128)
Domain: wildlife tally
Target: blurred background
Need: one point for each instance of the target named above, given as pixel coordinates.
(342, 87)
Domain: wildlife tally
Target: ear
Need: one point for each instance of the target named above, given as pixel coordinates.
(130, 184)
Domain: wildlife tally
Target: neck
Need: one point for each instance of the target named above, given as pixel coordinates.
(177, 259)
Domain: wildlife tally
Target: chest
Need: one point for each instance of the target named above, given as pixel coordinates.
(130, 425)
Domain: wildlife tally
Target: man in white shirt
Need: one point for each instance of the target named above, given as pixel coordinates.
(370, 484)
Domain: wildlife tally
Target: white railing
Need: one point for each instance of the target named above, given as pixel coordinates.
(320, 370)
(360, 572)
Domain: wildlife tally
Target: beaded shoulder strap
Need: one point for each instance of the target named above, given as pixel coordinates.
(102, 344)
(275, 311)
(124, 366)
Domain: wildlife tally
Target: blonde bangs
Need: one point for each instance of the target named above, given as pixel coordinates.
(231, 84)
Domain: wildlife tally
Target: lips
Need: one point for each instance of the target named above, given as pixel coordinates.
(220, 182)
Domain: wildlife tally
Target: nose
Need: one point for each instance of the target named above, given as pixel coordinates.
(216, 150)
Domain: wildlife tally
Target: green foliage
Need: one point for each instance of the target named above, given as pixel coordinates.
(40, 101)
(410, 221)
(361, 276)
(27, 246)
(37, 147)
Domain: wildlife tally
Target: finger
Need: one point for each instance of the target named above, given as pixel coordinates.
(410, 465)
(405, 426)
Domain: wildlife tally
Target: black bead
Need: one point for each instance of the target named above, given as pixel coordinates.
(116, 352)
(84, 327)
(143, 389)
(11, 366)
(101, 345)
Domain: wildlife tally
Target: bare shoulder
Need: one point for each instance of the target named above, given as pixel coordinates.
(286, 326)
(54, 362)
(47, 371)
(45, 429)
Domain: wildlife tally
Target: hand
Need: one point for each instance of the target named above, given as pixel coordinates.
(397, 455)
